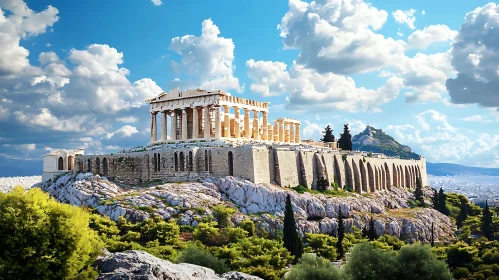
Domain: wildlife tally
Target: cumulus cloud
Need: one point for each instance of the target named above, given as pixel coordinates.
(307, 89)
(129, 119)
(206, 59)
(476, 118)
(421, 39)
(405, 17)
(475, 56)
(157, 2)
(124, 131)
(338, 36)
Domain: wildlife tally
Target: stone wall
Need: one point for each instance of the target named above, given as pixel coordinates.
(285, 166)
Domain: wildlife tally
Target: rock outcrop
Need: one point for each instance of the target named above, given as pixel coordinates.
(140, 265)
(264, 204)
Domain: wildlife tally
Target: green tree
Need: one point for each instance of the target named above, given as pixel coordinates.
(418, 193)
(292, 240)
(341, 235)
(463, 213)
(312, 267)
(195, 255)
(328, 135)
(442, 202)
(44, 239)
(487, 229)
(321, 244)
(434, 200)
(417, 262)
(432, 243)
(223, 214)
(368, 262)
(371, 232)
(345, 141)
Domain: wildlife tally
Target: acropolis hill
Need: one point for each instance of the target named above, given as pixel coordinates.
(210, 137)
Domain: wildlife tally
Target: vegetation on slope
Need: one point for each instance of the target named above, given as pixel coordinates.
(379, 142)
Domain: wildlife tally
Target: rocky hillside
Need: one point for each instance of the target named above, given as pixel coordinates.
(376, 141)
(264, 204)
(141, 265)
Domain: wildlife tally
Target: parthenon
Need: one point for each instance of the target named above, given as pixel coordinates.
(197, 115)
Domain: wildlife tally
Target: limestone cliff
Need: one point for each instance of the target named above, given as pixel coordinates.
(264, 204)
(376, 141)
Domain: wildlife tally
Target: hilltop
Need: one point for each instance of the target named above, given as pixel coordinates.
(376, 141)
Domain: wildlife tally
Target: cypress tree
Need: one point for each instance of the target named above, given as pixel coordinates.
(434, 199)
(341, 235)
(371, 233)
(345, 141)
(487, 222)
(432, 236)
(418, 193)
(442, 199)
(292, 240)
(463, 214)
(328, 135)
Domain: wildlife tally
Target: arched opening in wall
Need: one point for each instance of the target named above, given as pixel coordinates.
(205, 160)
(175, 156)
(388, 179)
(71, 160)
(60, 163)
(376, 179)
(97, 165)
(414, 175)
(191, 166)
(230, 161)
(80, 165)
(383, 178)
(105, 167)
(154, 162)
(401, 176)
(158, 167)
(337, 174)
(356, 177)
(363, 176)
(407, 178)
(182, 161)
(209, 162)
(89, 165)
(371, 177)
(395, 182)
(348, 175)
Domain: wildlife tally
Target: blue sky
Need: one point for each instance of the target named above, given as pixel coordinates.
(75, 73)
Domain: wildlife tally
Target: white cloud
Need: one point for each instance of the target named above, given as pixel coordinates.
(423, 12)
(476, 118)
(207, 59)
(421, 39)
(157, 2)
(46, 119)
(147, 88)
(308, 90)
(129, 119)
(338, 36)
(86, 139)
(405, 17)
(124, 131)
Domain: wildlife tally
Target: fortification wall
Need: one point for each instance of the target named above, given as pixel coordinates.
(260, 164)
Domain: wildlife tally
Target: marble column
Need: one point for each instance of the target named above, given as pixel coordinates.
(256, 126)
(174, 125)
(226, 121)
(297, 133)
(154, 134)
(286, 132)
(163, 126)
(291, 133)
(195, 123)
(237, 127)
(247, 132)
(281, 131)
(276, 131)
(265, 126)
(184, 124)
(207, 122)
(218, 123)
(270, 132)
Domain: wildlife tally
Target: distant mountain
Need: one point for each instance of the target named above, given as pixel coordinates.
(376, 141)
(449, 169)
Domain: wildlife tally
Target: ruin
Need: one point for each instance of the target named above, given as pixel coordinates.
(204, 141)
(59, 162)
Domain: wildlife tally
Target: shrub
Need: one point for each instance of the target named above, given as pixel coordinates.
(312, 267)
(44, 239)
(322, 244)
(223, 214)
(417, 262)
(368, 262)
(248, 226)
(196, 255)
(461, 273)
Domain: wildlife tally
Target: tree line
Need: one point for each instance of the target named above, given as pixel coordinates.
(345, 141)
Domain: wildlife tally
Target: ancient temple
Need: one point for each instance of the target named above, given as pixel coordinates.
(207, 115)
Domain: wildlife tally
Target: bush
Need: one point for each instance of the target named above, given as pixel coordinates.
(461, 273)
(198, 256)
(44, 239)
(248, 226)
(322, 244)
(223, 214)
(368, 262)
(312, 267)
(417, 262)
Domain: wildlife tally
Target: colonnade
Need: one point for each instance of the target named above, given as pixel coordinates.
(210, 122)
